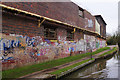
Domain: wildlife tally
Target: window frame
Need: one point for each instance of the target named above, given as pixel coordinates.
(70, 35)
(49, 31)
(82, 11)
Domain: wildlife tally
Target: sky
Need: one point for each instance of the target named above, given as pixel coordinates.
(107, 8)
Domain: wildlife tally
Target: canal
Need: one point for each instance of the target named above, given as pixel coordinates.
(108, 68)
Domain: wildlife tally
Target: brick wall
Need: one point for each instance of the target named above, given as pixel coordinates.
(13, 24)
(78, 36)
(63, 11)
(22, 42)
(89, 17)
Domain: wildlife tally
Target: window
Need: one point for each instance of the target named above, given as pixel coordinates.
(70, 36)
(90, 23)
(81, 12)
(49, 33)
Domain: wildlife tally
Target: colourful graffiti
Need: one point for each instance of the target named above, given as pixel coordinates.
(19, 50)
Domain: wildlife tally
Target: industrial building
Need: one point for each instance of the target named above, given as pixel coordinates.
(34, 32)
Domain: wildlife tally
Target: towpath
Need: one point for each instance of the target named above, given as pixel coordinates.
(45, 73)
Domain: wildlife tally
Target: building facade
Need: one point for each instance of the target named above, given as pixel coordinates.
(34, 32)
(102, 25)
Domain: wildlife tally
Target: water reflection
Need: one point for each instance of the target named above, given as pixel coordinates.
(105, 68)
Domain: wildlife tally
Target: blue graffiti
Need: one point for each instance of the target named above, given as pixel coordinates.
(7, 44)
(71, 49)
(30, 41)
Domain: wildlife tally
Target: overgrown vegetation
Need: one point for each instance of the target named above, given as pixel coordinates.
(18, 72)
(113, 40)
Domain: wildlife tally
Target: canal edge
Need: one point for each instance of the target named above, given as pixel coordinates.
(81, 66)
(74, 69)
(53, 76)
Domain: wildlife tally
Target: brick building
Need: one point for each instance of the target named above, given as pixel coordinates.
(34, 32)
(102, 25)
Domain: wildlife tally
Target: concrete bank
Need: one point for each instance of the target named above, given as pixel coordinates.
(74, 69)
(81, 66)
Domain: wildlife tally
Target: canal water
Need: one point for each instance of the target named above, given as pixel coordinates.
(108, 68)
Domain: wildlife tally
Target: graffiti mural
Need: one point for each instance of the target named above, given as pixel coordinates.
(93, 43)
(18, 50)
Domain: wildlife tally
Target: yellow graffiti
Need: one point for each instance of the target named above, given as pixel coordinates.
(22, 45)
(53, 40)
(71, 41)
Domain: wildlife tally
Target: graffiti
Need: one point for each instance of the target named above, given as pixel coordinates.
(34, 41)
(60, 38)
(92, 43)
(20, 49)
(80, 45)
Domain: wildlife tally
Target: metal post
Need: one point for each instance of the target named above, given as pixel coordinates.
(91, 52)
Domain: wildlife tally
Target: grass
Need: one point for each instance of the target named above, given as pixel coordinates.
(109, 52)
(18, 72)
(70, 67)
(100, 50)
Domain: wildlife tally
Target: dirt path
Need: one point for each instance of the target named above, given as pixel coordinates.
(44, 73)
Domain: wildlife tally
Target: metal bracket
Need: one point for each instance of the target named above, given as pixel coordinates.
(39, 23)
(74, 30)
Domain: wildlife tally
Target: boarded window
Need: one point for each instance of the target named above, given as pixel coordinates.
(49, 33)
(70, 36)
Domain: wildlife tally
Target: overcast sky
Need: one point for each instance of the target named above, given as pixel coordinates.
(107, 8)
